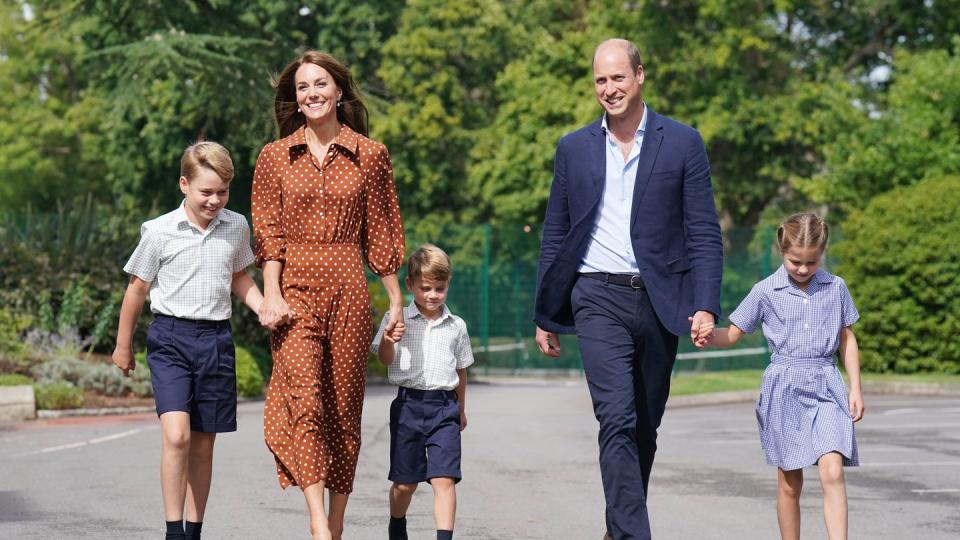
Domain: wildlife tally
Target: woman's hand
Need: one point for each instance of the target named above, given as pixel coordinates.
(274, 311)
(395, 326)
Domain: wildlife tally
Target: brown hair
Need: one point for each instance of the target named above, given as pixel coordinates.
(429, 262)
(350, 110)
(804, 231)
(209, 155)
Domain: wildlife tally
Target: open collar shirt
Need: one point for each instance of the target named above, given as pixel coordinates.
(611, 249)
(190, 270)
(430, 352)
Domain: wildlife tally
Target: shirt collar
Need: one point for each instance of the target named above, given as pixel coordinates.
(183, 219)
(412, 312)
(348, 139)
(640, 128)
(781, 279)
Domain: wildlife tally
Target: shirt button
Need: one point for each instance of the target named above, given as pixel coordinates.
(806, 300)
(805, 325)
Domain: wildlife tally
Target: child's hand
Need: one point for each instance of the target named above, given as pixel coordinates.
(701, 335)
(123, 358)
(856, 405)
(395, 335)
(463, 420)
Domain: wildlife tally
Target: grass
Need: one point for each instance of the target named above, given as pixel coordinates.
(686, 383)
(715, 381)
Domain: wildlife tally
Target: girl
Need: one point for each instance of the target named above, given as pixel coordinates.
(804, 414)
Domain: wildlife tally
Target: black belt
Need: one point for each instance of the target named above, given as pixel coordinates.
(627, 280)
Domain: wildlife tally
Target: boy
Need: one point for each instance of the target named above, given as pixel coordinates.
(427, 358)
(189, 261)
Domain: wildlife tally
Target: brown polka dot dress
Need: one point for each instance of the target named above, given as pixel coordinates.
(322, 221)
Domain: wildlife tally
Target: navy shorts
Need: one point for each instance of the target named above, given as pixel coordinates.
(424, 436)
(193, 369)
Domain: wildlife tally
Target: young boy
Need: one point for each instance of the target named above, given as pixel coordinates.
(427, 358)
(189, 261)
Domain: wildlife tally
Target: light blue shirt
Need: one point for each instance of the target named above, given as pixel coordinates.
(610, 249)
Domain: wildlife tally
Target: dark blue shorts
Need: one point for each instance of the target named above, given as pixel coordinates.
(193, 369)
(424, 436)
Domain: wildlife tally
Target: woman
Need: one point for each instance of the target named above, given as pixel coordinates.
(323, 203)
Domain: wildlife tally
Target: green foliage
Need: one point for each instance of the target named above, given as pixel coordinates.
(13, 352)
(249, 378)
(14, 379)
(58, 395)
(912, 132)
(901, 260)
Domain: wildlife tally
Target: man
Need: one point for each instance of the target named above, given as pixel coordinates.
(631, 258)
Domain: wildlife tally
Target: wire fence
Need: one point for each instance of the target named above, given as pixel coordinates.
(493, 288)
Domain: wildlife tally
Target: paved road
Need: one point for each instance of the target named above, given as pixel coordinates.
(530, 472)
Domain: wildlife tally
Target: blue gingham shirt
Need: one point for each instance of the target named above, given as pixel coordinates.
(798, 323)
(190, 271)
(430, 352)
(611, 246)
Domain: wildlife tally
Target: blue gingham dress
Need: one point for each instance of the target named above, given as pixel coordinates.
(802, 412)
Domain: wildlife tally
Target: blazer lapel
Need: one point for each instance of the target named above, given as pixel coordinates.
(598, 159)
(652, 138)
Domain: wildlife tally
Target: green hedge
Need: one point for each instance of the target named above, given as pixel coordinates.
(901, 260)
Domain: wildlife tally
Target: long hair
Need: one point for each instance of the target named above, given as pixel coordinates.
(351, 111)
(803, 231)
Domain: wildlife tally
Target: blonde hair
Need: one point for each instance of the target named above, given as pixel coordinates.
(429, 262)
(209, 155)
(803, 231)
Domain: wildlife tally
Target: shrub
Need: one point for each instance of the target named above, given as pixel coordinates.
(901, 260)
(58, 395)
(14, 379)
(249, 378)
(109, 381)
(62, 369)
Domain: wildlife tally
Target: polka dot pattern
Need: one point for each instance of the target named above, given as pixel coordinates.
(323, 220)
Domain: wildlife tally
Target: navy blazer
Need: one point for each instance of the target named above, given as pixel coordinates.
(674, 228)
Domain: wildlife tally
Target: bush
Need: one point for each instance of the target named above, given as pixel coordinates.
(58, 395)
(14, 379)
(901, 260)
(104, 379)
(249, 378)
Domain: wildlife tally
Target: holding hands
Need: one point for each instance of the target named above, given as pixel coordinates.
(395, 327)
(702, 325)
(273, 312)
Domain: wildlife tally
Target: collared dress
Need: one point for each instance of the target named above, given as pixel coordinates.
(803, 410)
(323, 219)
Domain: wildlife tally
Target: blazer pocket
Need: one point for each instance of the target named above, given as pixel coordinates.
(681, 264)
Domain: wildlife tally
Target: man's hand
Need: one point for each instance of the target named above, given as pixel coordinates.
(548, 342)
(123, 358)
(701, 328)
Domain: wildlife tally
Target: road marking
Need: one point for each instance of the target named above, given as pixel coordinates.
(944, 490)
(912, 464)
(80, 444)
(901, 411)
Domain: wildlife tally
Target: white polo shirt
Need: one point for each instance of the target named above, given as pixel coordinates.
(191, 271)
(430, 352)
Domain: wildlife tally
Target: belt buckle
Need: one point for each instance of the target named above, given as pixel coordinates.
(636, 281)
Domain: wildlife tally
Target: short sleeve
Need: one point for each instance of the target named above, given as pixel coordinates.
(749, 314)
(464, 350)
(266, 205)
(375, 346)
(244, 256)
(145, 261)
(848, 311)
(382, 237)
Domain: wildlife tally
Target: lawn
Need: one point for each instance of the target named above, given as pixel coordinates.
(686, 383)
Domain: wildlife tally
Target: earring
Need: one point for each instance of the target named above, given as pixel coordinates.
(298, 109)
(339, 103)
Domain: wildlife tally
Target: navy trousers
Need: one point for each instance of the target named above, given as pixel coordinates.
(627, 358)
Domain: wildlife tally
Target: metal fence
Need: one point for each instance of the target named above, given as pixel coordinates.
(493, 287)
